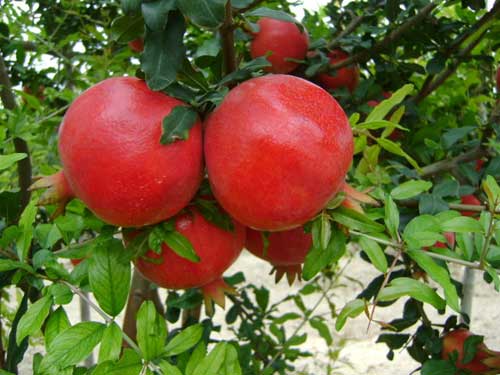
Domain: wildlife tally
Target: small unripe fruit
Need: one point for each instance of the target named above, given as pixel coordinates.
(137, 45)
(346, 77)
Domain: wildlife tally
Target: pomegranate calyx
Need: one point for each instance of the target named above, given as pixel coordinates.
(58, 191)
(214, 292)
(292, 272)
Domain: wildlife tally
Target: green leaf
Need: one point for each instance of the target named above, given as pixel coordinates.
(380, 111)
(422, 231)
(109, 276)
(405, 286)
(351, 310)
(319, 325)
(462, 224)
(185, 340)
(378, 125)
(177, 124)
(155, 13)
(127, 28)
(213, 362)
(375, 253)
(26, 225)
(396, 149)
(231, 365)
(33, 319)
(72, 345)
(438, 367)
(8, 160)
(164, 52)
(245, 71)
(439, 275)
(9, 265)
(494, 275)
(355, 220)
(317, 259)
(151, 331)
(181, 246)
(391, 217)
(129, 364)
(57, 323)
(196, 357)
(410, 189)
(325, 231)
(130, 6)
(169, 369)
(272, 13)
(111, 344)
(204, 13)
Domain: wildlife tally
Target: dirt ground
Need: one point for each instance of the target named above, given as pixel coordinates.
(360, 354)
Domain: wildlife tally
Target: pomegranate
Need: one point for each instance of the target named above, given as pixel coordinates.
(216, 248)
(112, 158)
(76, 262)
(471, 200)
(498, 79)
(286, 250)
(485, 360)
(284, 40)
(479, 165)
(347, 76)
(373, 103)
(136, 45)
(450, 241)
(277, 150)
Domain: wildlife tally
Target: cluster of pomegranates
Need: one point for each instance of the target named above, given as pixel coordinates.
(276, 151)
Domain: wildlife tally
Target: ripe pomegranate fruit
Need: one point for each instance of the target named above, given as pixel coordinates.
(76, 262)
(471, 200)
(479, 165)
(277, 149)
(484, 362)
(216, 248)
(347, 76)
(286, 250)
(137, 45)
(284, 40)
(109, 143)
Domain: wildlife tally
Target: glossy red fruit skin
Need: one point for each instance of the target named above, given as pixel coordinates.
(471, 200)
(284, 39)
(284, 249)
(137, 45)
(454, 341)
(109, 143)
(217, 249)
(76, 262)
(347, 76)
(277, 150)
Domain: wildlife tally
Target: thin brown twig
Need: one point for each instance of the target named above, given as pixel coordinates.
(227, 36)
(355, 22)
(448, 164)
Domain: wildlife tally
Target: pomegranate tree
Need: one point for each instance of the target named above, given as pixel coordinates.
(277, 150)
(136, 45)
(215, 247)
(286, 250)
(284, 40)
(346, 77)
(109, 143)
(470, 200)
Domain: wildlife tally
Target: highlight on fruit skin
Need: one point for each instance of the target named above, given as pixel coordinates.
(283, 40)
(484, 362)
(277, 149)
(286, 250)
(113, 161)
(216, 248)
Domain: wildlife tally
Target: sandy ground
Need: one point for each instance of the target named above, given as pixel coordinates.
(360, 354)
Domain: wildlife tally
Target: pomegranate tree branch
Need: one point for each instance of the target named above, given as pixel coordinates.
(227, 36)
(449, 164)
(20, 145)
(355, 22)
(385, 43)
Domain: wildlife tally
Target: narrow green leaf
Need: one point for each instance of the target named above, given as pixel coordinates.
(355, 220)
(177, 124)
(438, 367)
(155, 13)
(391, 217)
(317, 259)
(204, 13)
(9, 265)
(73, 345)
(351, 310)
(231, 365)
(386, 106)
(423, 230)
(129, 364)
(151, 331)
(246, 71)
(181, 246)
(396, 149)
(494, 275)
(26, 225)
(185, 340)
(33, 319)
(462, 224)
(169, 369)
(373, 125)
(319, 325)
(375, 253)
(325, 231)
(111, 344)
(272, 13)
(213, 362)
(8, 160)
(127, 28)
(405, 286)
(439, 275)
(57, 323)
(410, 189)
(196, 357)
(109, 276)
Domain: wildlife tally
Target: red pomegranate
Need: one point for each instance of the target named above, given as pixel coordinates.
(136, 45)
(216, 248)
(471, 200)
(479, 165)
(286, 250)
(485, 360)
(277, 149)
(284, 40)
(373, 103)
(109, 143)
(76, 262)
(347, 76)
(498, 79)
